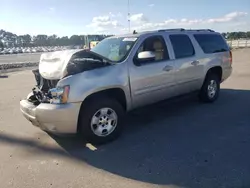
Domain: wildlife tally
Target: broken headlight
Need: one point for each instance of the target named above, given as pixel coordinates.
(59, 95)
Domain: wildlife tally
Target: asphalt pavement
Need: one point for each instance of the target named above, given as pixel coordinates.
(22, 58)
(182, 143)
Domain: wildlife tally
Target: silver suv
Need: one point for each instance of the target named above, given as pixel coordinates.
(89, 91)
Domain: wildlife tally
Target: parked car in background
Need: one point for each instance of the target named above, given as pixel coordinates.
(17, 50)
(88, 92)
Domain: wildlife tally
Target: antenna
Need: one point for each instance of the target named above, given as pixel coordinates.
(128, 16)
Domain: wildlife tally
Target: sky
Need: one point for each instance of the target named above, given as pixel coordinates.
(68, 17)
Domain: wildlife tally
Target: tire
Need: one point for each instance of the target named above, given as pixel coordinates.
(205, 94)
(91, 112)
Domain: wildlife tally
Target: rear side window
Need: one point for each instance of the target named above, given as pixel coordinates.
(211, 43)
(182, 46)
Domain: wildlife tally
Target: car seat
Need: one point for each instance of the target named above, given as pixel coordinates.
(158, 49)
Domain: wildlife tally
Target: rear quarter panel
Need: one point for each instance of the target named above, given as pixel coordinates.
(214, 60)
(218, 59)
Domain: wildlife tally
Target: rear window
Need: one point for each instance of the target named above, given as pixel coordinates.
(182, 46)
(211, 43)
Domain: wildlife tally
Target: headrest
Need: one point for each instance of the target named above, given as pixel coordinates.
(158, 45)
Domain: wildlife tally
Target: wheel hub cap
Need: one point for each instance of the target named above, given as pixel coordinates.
(104, 122)
(212, 88)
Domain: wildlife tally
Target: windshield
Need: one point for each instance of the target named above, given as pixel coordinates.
(115, 49)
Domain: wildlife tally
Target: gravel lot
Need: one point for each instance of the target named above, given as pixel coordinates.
(22, 58)
(182, 143)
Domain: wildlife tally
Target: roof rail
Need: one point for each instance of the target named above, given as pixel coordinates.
(206, 30)
(210, 30)
(134, 32)
(181, 29)
(177, 29)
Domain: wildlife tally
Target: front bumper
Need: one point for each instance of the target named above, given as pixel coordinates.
(54, 118)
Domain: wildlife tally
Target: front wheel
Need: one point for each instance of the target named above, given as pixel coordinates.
(101, 120)
(210, 89)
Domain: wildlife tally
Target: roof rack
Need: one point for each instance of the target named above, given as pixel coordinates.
(134, 32)
(177, 29)
(201, 30)
(181, 29)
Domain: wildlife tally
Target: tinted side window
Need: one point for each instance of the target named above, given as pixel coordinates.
(211, 43)
(182, 46)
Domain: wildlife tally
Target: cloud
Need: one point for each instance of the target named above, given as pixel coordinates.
(151, 5)
(101, 19)
(115, 23)
(141, 22)
(227, 18)
(138, 18)
(115, 14)
(104, 23)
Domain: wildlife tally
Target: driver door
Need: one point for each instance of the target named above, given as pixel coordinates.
(152, 80)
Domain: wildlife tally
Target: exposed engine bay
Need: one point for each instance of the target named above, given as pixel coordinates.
(41, 92)
(54, 68)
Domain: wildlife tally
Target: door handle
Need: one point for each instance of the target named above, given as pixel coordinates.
(196, 62)
(168, 68)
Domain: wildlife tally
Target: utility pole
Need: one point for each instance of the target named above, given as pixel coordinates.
(128, 16)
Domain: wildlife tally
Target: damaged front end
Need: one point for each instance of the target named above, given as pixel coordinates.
(41, 92)
(55, 66)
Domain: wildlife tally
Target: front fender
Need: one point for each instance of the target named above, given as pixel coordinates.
(86, 83)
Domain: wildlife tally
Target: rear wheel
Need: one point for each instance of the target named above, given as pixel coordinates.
(101, 121)
(210, 89)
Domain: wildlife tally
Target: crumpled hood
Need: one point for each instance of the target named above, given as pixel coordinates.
(52, 65)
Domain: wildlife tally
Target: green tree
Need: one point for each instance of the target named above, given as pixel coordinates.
(248, 34)
(75, 40)
(63, 41)
(25, 40)
(40, 40)
(44, 40)
(52, 40)
(1, 45)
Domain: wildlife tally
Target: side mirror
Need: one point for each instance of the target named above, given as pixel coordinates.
(146, 56)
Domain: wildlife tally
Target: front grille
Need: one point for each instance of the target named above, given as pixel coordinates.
(42, 83)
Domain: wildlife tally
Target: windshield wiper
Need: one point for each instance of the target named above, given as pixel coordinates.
(81, 59)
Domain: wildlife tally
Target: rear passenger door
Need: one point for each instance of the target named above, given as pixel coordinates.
(188, 69)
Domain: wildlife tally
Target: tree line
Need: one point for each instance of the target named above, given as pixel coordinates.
(237, 35)
(8, 39)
